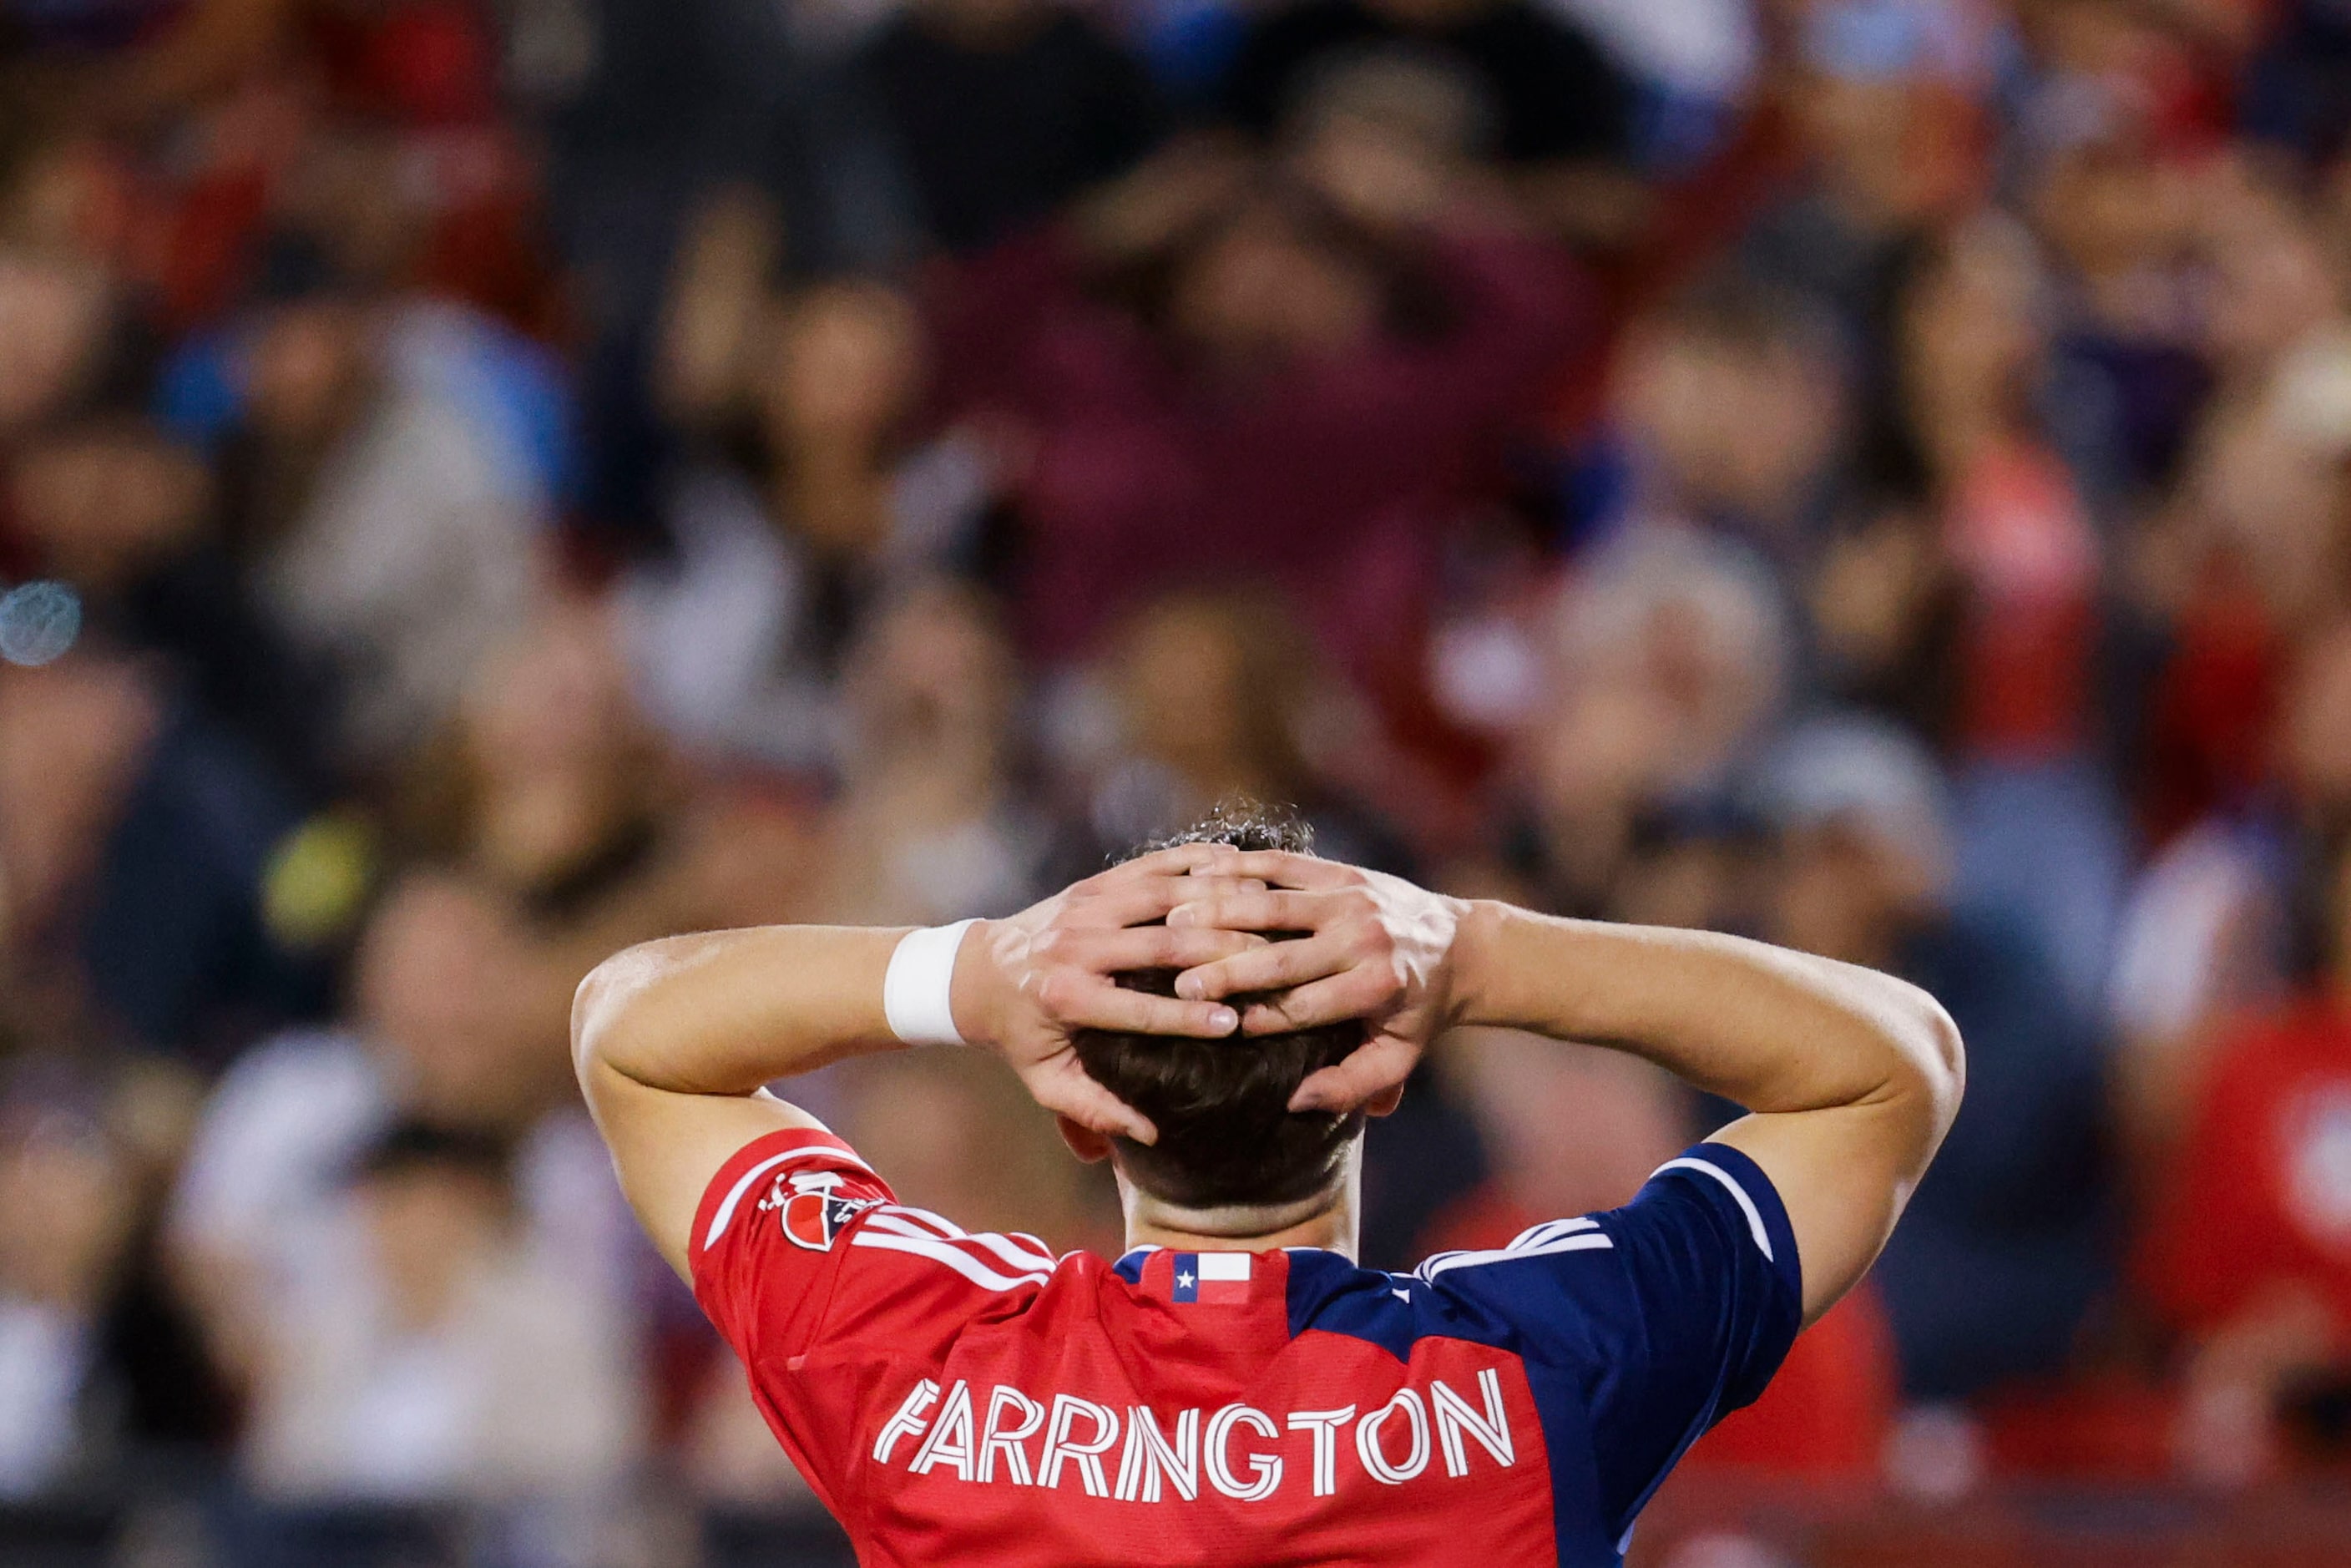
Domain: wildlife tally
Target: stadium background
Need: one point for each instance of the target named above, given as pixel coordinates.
(483, 482)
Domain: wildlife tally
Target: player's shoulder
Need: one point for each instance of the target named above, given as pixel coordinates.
(1584, 1282)
(816, 1193)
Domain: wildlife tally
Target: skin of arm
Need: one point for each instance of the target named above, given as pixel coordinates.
(672, 1041)
(1851, 1077)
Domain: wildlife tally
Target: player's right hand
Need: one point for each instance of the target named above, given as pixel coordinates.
(1374, 947)
(1025, 986)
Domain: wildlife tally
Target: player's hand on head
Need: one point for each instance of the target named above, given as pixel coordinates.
(1025, 986)
(1374, 946)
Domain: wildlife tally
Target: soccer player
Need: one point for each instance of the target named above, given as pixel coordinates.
(1217, 1019)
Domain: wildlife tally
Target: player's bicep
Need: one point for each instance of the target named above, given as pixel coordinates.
(1843, 1176)
(667, 1147)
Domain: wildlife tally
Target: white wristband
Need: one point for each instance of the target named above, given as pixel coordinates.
(915, 990)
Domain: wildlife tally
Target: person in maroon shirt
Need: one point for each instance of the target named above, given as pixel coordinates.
(1225, 371)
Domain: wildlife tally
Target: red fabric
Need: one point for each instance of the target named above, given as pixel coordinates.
(868, 1328)
(415, 63)
(2263, 1194)
(2213, 708)
(2029, 559)
(2097, 1429)
(1331, 480)
(1826, 1415)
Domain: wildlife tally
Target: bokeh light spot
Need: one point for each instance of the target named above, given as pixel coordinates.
(38, 622)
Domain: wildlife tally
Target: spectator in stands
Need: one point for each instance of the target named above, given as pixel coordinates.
(135, 837)
(2247, 1252)
(547, 786)
(384, 500)
(1669, 661)
(110, 504)
(68, 1208)
(992, 114)
(931, 818)
(54, 318)
(738, 637)
(1304, 391)
(1729, 410)
(1220, 696)
(451, 1013)
(1538, 97)
(2023, 1213)
(441, 1358)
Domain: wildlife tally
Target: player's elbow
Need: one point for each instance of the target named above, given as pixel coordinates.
(1936, 1062)
(600, 1010)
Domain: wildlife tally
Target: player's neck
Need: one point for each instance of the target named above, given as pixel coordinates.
(1326, 1220)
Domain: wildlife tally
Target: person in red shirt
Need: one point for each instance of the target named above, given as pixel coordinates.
(1217, 1019)
(2249, 1251)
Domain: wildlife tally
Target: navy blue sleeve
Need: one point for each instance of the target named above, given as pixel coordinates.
(1660, 1317)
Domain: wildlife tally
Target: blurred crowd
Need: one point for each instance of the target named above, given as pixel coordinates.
(485, 481)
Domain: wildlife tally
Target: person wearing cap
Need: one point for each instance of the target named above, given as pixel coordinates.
(2017, 1205)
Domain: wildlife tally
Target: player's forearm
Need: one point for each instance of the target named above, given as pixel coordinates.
(1772, 1029)
(723, 1012)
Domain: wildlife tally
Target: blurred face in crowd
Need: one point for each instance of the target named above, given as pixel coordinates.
(2317, 728)
(65, 1211)
(72, 738)
(51, 316)
(1860, 130)
(1261, 289)
(932, 681)
(954, 1136)
(554, 703)
(1844, 891)
(1204, 688)
(101, 501)
(1738, 427)
(2110, 210)
(1626, 1117)
(445, 989)
(2269, 284)
(2271, 504)
(554, 751)
(1971, 338)
(848, 368)
(430, 1227)
(1663, 668)
(306, 367)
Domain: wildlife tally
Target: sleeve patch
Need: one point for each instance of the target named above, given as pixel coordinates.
(811, 1212)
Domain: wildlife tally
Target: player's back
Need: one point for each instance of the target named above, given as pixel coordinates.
(974, 1399)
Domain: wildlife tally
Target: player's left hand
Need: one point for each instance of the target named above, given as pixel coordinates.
(1026, 984)
(1374, 947)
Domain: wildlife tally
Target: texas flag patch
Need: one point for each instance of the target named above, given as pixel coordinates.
(1217, 1279)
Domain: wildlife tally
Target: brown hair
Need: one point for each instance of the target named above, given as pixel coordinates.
(1227, 1134)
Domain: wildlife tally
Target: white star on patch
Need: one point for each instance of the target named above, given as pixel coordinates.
(1402, 1295)
(1185, 1281)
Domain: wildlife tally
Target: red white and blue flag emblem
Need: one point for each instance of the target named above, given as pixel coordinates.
(1217, 1279)
(811, 1215)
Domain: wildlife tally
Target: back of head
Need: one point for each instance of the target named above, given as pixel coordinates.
(1228, 1137)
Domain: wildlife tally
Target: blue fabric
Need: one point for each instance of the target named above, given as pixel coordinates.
(2020, 1202)
(1633, 1349)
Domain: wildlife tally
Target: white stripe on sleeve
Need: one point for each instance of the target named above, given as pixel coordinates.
(1746, 1204)
(725, 1214)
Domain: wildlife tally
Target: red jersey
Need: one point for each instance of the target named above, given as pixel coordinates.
(974, 1398)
